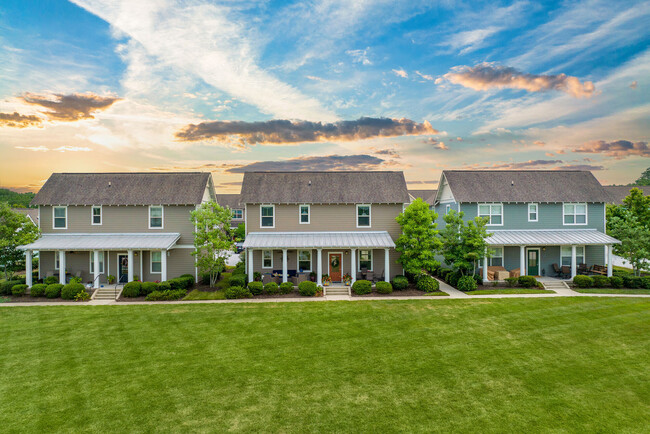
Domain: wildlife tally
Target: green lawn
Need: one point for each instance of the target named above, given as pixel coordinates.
(612, 291)
(498, 365)
(205, 295)
(510, 291)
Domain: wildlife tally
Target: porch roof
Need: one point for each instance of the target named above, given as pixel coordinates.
(135, 241)
(550, 237)
(317, 240)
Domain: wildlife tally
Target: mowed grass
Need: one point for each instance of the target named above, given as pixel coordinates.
(510, 291)
(205, 295)
(499, 365)
(612, 291)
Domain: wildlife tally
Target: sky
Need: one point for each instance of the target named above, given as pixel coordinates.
(231, 86)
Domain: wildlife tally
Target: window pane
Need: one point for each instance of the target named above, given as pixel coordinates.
(365, 259)
(363, 211)
(569, 209)
(497, 262)
(267, 221)
(267, 211)
(566, 260)
(497, 251)
(484, 209)
(496, 220)
(496, 209)
(156, 267)
(59, 222)
(581, 218)
(568, 219)
(581, 209)
(59, 212)
(364, 221)
(155, 211)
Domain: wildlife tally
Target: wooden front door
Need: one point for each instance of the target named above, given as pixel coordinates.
(533, 262)
(335, 266)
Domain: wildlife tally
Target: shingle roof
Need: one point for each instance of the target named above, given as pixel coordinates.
(324, 187)
(229, 200)
(525, 186)
(429, 196)
(32, 213)
(618, 193)
(177, 188)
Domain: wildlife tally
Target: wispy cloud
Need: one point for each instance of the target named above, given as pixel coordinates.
(425, 76)
(16, 120)
(328, 162)
(470, 40)
(618, 149)
(42, 148)
(436, 144)
(70, 108)
(360, 56)
(401, 73)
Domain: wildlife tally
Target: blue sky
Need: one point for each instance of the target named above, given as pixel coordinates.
(106, 85)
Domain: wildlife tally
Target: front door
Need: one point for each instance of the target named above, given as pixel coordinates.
(335, 267)
(123, 268)
(533, 262)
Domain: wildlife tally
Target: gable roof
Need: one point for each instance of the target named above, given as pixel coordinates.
(229, 200)
(324, 187)
(176, 188)
(429, 196)
(525, 186)
(619, 192)
(32, 213)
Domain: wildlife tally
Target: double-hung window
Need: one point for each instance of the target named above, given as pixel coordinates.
(304, 260)
(304, 214)
(493, 212)
(267, 259)
(533, 212)
(155, 217)
(267, 216)
(156, 262)
(566, 255)
(365, 260)
(60, 217)
(575, 213)
(92, 262)
(363, 216)
(447, 209)
(96, 215)
(497, 257)
(237, 214)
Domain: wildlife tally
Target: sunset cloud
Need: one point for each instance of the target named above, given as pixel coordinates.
(618, 149)
(401, 73)
(70, 108)
(328, 162)
(16, 120)
(279, 131)
(485, 76)
(438, 144)
(59, 149)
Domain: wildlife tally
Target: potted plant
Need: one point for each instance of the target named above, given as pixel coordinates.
(347, 279)
(327, 280)
(312, 276)
(111, 279)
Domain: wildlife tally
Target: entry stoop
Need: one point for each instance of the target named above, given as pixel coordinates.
(336, 290)
(107, 293)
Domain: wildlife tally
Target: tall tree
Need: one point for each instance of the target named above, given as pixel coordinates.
(15, 199)
(419, 241)
(15, 230)
(644, 179)
(464, 244)
(630, 223)
(213, 238)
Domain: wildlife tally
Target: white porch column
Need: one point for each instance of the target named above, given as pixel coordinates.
(485, 267)
(249, 264)
(574, 266)
(353, 265)
(163, 265)
(95, 268)
(610, 265)
(130, 266)
(319, 267)
(284, 265)
(62, 267)
(386, 266)
(28, 268)
(522, 260)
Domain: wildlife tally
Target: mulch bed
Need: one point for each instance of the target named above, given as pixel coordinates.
(29, 299)
(411, 292)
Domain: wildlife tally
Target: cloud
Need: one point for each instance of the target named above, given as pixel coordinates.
(359, 56)
(433, 181)
(401, 73)
(535, 164)
(470, 40)
(618, 149)
(242, 134)
(59, 149)
(580, 167)
(33, 148)
(486, 75)
(425, 76)
(70, 108)
(539, 143)
(634, 84)
(437, 144)
(16, 120)
(328, 162)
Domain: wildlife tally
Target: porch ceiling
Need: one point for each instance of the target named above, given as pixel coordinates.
(543, 237)
(135, 241)
(289, 240)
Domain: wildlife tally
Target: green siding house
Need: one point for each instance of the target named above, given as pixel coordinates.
(540, 221)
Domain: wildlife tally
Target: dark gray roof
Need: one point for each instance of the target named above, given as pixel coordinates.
(32, 213)
(525, 186)
(429, 196)
(176, 188)
(229, 200)
(618, 193)
(324, 187)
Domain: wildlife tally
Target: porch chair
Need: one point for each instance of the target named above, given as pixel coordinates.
(557, 270)
(583, 269)
(370, 276)
(566, 271)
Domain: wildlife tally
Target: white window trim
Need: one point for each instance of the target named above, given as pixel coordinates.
(242, 214)
(489, 223)
(356, 215)
(536, 212)
(162, 217)
(447, 209)
(267, 227)
(54, 217)
(271, 267)
(300, 214)
(575, 214)
(503, 254)
(584, 254)
(372, 262)
(92, 216)
(57, 264)
(150, 262)
(102, 262)
(310, 261)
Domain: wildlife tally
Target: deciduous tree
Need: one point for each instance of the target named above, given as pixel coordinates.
(419, 242)
(464, 244)
(15, 230)
(213, 238)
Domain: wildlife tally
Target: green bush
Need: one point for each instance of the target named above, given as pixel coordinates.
(272, 288)
(50, 280)
(454, 277)
(82, 296)
(163, 286)
(53, 290)
(583, 281)
(616, 281)
(361, 287)
(384, 287)
(19, 290)
(527, 282)
(5, 287)
(237, 292)
(467, 283)
(189, 278)
(632, 282)
(237, 280)
(205, 278)
(512, 281)
(428, 284)
(256, 287)
(400, 283)
(645, 282)
(240, 268)
(148, 287)
(183, 282)
(132, 289)
(38, 290)
(69, 291)
(601, 281)
(286, 287)
(168, 294)
(307, 288)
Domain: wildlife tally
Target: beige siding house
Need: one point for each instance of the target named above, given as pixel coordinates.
(238, 212)
(128, 225)
(327, 223)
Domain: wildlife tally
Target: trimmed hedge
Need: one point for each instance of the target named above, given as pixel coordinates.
(645, 282)
(19, 290)
(148, 287)
(272, 288)
(428, 284)
(361, 287)
(186, 281)
(512, 281)
(616, 282)
(5, 287)
(38, 290)
(50, 280)
(454, 277)
(132, 289)
(600, 281)
(384, 287)
(632, 282)
(164, 286)
(256, 287)
(70, 291)
(527, 281)
(400, 283)
(583, 281)
(237, 280)
(467, 283)
(189, 277)
(286, 287)
(235, 292)
(170, 294)
(53, 290)
(307, 288)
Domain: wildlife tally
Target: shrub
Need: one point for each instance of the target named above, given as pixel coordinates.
(5, 287)
(583, 281)
(454, 277)
(384, 287)
(256, 287)
(237, 280)
(240, 268)
(19, 290)
(168, 294)
(645, 282)
(632, 282)
(189, 278)
(307, 288)
(428, 284)
(257, 276)
(272, 288)
(132, 289)
(467, 283)
(163, 286)
(148, 287)
(286, 287)
(400, 283)
(223, 277)
(50, 280)
(69, 291)
(76, 280)
(237, 292)
(38, 290)
(478, 279)
(53, 290)
(616, 281)
(601, 281)
(82, 296)
(361, 287)
(527, 281)
(512, 281)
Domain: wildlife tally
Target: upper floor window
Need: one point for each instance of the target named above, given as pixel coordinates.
(497, 257)
(92, 262)
(532, 212)
(304, 212)
(155, 217)
(304, 260)
(493, 212)
(565, 255)
(96, 215)
(267, 259)
(363, 216)
(575, 213)
(238, 214)
(447, 209)
(365, 260)
(60, 217)
(267, 216)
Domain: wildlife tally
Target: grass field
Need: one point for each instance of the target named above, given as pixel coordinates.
(499, 365)
(612, 291)
(510, 291)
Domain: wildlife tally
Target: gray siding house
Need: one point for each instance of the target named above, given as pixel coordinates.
(540, 220)
(121, 224)
(232, 201)
(333, 223)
